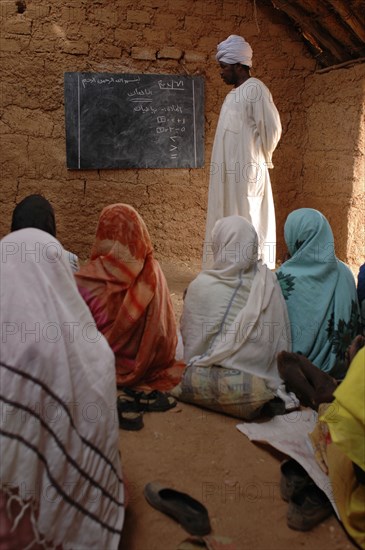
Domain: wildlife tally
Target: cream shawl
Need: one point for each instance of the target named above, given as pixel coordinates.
(234, 314)
(59, 433)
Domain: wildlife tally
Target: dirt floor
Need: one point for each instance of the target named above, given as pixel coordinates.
(202, 453)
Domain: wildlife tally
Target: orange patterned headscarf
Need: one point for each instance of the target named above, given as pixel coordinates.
(128, 296)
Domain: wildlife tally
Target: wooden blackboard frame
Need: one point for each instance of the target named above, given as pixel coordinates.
(134, 121)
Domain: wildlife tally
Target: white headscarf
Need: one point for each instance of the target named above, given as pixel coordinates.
(59, 434)
(250, 342)
(235, 246)
(234, 49)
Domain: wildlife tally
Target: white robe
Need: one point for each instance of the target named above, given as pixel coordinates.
(59, 441)
(235, 314)
(248, 131)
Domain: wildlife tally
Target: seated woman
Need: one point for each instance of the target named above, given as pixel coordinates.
(320, 293)
(235, 320)
(60, 468)
(338, 441)
(127, 294)
(36, 211)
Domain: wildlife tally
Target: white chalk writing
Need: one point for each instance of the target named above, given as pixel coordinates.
(138, 92)
(172, 85)
(109, 80)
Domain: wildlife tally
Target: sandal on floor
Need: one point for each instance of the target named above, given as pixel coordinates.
(184, 509)
(307, 508)
(211, 542)
(155, 401)
(130, 418)
(293, 478)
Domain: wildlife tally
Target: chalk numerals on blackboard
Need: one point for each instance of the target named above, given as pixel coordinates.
(134, 121)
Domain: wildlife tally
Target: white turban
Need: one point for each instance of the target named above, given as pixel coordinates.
(234, 50)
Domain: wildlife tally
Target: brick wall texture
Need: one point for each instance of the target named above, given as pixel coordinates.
(319, 162)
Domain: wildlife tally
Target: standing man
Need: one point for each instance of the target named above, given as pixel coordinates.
(248, 131)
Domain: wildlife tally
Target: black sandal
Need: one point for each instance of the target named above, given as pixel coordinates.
(130, 418)
(190, 513)
(154, 401)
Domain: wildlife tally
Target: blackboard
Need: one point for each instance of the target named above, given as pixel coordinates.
(134, 121)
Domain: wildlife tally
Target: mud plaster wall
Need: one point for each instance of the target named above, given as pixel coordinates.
(331, 167)
(334, 156)
(42, 40)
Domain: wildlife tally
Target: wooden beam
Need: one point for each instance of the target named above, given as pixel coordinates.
(312, 28)
(349, 18)
(323, 58)
(341, 65)
(324, 13)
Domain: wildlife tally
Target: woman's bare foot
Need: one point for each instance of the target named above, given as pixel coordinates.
(308, 382)
(324, 385)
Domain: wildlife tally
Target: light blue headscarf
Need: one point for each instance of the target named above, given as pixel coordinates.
(320, 292)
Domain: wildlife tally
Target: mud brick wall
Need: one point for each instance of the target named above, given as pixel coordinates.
(334, 156)
(319, 161)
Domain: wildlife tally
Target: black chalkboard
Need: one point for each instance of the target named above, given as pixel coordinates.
(134, 121)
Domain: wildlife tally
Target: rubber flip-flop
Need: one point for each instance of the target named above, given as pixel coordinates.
(184, 509)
